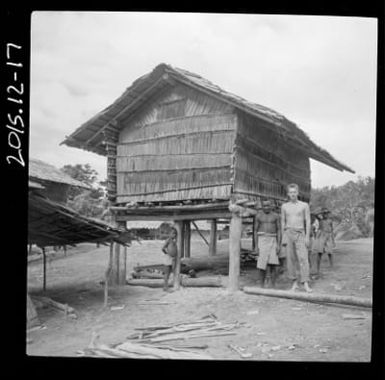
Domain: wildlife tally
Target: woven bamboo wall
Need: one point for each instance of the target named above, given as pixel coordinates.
(185, 100)
(265, 163)
(178, 147)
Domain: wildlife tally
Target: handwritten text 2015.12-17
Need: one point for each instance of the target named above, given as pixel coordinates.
(15, 92)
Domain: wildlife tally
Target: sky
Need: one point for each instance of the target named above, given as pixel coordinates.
(318, 71)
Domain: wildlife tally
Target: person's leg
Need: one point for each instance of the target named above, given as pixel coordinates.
(319, 257)
(273, 274)
(331, 260)
(262, 277)
(291, 261)
(167, 271)
(303, 259)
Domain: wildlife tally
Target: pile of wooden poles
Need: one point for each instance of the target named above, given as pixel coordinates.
(208, 326)
(148, 342)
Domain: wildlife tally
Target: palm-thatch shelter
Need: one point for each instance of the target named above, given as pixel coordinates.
(51, 182)
(180, 148)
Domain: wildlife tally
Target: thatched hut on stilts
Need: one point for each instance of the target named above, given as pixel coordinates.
(180, 148)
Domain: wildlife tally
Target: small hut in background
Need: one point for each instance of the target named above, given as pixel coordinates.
(50, 181)
(179, 148)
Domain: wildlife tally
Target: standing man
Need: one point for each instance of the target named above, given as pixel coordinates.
(324, 242)
(295, 222)
(267, 241)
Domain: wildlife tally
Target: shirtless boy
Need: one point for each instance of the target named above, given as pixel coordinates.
(267, 242)
(295, 222)
(170, 250)
(324, 242)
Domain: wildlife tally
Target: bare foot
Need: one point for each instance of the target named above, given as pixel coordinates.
(264, 285)
(294, 287)
(307, 287)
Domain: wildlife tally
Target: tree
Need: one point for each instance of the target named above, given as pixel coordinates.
(349, 203)
(87, 175)
(88, 202)
(85, 204)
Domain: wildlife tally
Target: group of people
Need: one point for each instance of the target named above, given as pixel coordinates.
(291, 241)
(287, 241)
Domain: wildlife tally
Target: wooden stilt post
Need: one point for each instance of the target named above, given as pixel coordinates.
(213, 238)
(180, 246)
(119, 266)
(253, 235)
(124, 271)
(44, 269)
(187, 239)
(116, 271)
(108, 274)
(234, 251)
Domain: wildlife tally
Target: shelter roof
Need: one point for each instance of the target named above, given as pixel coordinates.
(51, 223)
(40, 170)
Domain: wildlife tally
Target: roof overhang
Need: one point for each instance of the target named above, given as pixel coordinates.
(50, 223)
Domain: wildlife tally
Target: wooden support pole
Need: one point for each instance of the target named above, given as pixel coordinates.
(124, 271)
(234, 251)
(180, 246)
(108, 274)
(116, 270)
(253, 235)
(44, 269)
(213, 238)
(200, 233)
(187, 239)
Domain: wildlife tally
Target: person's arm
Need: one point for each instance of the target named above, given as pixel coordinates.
(165, 245)
(307, 224)
(279, 232)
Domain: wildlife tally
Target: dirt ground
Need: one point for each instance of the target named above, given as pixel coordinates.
(316, 332)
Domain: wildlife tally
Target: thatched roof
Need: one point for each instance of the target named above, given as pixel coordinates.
(89, 136)
(50, 223)
(41, 171)
(35, 185)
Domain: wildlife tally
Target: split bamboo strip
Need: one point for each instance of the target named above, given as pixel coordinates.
(181, 125)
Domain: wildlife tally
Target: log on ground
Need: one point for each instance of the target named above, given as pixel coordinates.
(187, 282)
(206, 262)
(310, 297)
